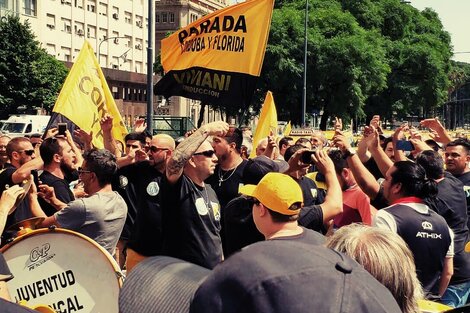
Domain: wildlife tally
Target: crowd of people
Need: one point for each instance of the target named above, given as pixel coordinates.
(306, 223)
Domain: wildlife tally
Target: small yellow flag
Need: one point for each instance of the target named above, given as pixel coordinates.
(287, 129)
(85, 98)
(267, 122)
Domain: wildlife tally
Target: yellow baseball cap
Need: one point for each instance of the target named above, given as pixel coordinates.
(277, 192)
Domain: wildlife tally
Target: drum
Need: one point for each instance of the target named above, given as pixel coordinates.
(63, 269)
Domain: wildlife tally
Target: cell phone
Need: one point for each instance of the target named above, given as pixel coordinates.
(405, 145)
(306, 156)
(62, 128)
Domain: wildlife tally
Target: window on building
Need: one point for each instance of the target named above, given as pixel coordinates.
(157, 18)
(139, 21)
(103, 9)
(50, 48)
(164, 17)
(193, 17)
(29, 7)
(128, 17)
(172, 17)
(4, 4)
(115, 13)
(67, 54)
(128, 41)
(102, 33)
(79, 28)
(91, 6)
(138, 67)
(78, 4)
(91, 31)
(67, 25)
(50, 21)
(66, 2)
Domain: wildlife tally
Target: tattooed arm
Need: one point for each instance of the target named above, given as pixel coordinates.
(184, 151)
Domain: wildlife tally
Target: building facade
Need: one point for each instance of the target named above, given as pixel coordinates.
(116, 29)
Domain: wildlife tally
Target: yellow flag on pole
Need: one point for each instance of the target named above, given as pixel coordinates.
(267, 122)
(287, 129)
(85, 98)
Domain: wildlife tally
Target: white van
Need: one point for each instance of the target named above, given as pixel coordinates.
(25, 125)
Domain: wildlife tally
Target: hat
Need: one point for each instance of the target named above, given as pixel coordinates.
(160, 284)
(277, 192)
(277, 276)
(257, 167)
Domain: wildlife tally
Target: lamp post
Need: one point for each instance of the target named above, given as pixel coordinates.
(150, 68)
(101, 42)
(304, 89)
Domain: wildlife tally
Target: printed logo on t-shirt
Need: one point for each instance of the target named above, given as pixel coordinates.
(216, 210)
(314, 193)
(123, 181)
(201, 206)
(153, 189)
(426, 225)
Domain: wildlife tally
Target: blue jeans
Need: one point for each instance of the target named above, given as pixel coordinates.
(456, 295)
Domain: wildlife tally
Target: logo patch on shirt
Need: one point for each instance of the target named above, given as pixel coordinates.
(426, 225)
(216, 210)
(314, 193)
(123, 182)
(201, 206)
(153, 189)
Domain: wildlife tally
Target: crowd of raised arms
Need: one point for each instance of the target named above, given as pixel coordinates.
(330, 225)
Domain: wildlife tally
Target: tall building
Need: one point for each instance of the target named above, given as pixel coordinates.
(171, 15)
(116, 29)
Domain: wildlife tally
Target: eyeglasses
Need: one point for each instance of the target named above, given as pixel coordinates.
(82, 171)
(132, 146)
(207, 153)
(27, 152)
(156, 149)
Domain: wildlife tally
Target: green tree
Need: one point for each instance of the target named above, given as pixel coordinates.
(28, 75)
(364, 57)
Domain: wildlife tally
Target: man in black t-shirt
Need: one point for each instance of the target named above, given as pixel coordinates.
(276, 203)
(140, 186)
(451, 205)
(191, 211)
(58, 157)
(228, 174)
(23, 162)
(426, 233)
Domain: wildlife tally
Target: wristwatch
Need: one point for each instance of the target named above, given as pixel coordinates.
(348, 153)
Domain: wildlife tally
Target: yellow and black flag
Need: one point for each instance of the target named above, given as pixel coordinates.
(85, 98)
(217, 58)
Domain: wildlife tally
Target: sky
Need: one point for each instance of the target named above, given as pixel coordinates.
(454, 15)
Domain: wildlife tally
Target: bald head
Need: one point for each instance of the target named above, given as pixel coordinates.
(163, 141)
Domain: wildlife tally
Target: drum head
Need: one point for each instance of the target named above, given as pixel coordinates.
(64, 270)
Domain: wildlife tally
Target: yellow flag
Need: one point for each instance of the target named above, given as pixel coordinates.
(218, 58)
(287, 129)
(85, 98)
(267, 122)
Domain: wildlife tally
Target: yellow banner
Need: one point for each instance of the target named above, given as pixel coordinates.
(287, 130)
(232, 39)
(267, 122)
(85, 98)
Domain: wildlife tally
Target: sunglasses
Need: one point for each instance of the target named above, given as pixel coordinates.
(155, 149)
(82, 171)
(27, 152)
(132, 146)
(252, 201)
(207, 153)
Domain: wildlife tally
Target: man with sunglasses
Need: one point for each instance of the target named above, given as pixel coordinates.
(191, 211)
(4, 139)
(102, 214)
(139, 184)
(23, 162)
